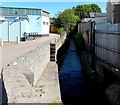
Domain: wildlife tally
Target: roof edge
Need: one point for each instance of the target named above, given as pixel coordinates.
(26, 8)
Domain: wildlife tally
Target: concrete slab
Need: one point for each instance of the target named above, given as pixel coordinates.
(49, 82)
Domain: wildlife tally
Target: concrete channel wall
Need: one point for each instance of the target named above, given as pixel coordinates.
(22, 76)
(37, 61)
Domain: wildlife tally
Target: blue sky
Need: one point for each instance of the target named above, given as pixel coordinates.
(52, 7)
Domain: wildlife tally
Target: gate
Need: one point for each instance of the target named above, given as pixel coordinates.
(14, 31)
(10, 30)
(4, 31)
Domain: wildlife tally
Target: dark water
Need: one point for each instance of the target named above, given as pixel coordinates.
(75, 90)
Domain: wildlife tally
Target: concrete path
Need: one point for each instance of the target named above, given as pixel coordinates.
(49, 83)
(11, 52)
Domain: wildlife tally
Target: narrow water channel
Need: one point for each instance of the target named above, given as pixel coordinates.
(72, 81)
(75, 90)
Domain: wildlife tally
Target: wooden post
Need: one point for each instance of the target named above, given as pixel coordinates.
(91, 35)
(1, 39)
(93, 47)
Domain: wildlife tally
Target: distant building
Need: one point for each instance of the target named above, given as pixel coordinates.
(113, 11)
(97, 17)
(53, 28)
(20, 22)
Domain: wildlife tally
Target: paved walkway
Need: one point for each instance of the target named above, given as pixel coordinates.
(49, 83)
(10, 52)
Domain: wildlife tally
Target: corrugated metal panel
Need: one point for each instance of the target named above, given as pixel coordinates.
(5, 31)
(24, 27)
(14, 31)
(10, 30)
(0, 29)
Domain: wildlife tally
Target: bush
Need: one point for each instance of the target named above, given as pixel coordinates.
(60, 30)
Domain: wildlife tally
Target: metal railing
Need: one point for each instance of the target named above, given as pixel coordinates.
(32, 35)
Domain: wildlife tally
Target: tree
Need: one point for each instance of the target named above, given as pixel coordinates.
(67, 19)
(83, 10)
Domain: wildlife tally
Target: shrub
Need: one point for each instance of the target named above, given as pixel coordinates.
(60, 30)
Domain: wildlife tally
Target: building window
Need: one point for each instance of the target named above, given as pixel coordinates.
(44, 23)
(47, 23)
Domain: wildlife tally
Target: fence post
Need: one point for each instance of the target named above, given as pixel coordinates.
(1, 40)
(91, 37)
(18, 40)
(93, 47)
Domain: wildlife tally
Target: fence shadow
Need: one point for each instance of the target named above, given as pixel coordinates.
(3, 91)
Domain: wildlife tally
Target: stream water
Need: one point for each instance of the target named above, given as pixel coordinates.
(75, 90)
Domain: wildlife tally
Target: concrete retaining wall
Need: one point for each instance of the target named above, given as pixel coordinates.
(21, 76)
(37, 60)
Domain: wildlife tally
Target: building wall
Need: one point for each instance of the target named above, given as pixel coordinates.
(113, 14)
(39, 24)
(4, 30)
(24, 27)
(18, 26)
(45, 25)
(12, 27)
(19, 21)
(116, 14)
(35, 24)
(109, 12)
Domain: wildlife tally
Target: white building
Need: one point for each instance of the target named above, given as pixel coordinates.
(23, 22)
